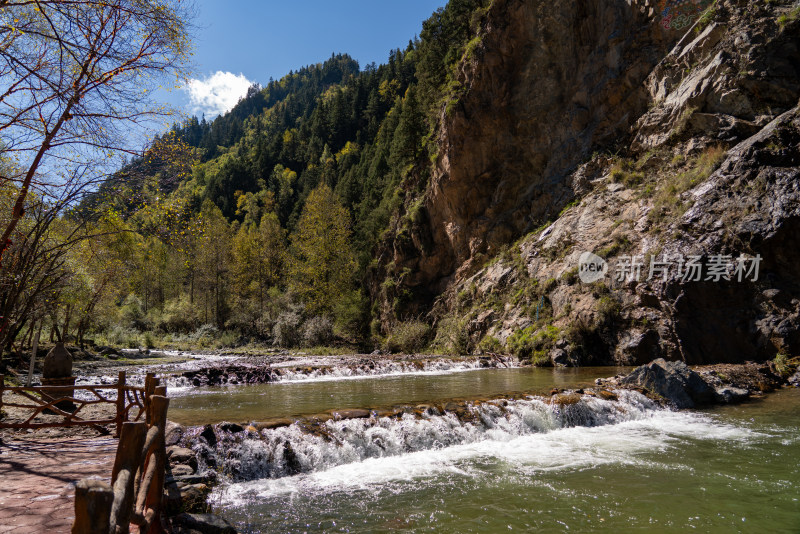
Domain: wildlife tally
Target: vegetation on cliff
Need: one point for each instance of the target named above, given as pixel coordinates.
(444, 199)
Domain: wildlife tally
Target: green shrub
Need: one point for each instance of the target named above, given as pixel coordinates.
(706, 18)
(409, 337)
(532, 344)
(784, 365)
(608, 310)
(570, 276)
(792, 15)
(452, 336)
(317, 331)
(286, 332)
(490, 345)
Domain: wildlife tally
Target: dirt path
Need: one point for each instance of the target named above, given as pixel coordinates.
(38, 476)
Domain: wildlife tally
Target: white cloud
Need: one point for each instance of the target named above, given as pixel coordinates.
(217, 93)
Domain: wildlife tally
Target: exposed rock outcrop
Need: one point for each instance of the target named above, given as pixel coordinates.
(706, 167)
(674, 381)
(545, 87)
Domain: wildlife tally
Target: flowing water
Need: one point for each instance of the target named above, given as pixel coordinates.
(524, 465)
(313, 395)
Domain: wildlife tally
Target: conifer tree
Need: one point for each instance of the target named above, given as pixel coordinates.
(322, 264)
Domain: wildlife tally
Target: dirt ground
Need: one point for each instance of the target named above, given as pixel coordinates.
(38, 475)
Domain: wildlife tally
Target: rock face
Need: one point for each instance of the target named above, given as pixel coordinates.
(674, 381)
(543, 88)
(705, 164)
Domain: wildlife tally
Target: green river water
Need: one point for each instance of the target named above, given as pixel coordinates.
(725, 469)
(291, 398)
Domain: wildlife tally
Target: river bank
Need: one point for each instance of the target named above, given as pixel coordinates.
(225, 466)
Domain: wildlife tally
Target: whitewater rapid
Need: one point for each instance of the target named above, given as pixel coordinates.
(531, 435)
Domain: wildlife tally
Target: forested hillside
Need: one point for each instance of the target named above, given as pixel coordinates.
(445, 198)
(262, 224)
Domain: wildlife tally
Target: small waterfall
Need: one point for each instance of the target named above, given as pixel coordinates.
(311, 447)
(391, 367)
(362, 368)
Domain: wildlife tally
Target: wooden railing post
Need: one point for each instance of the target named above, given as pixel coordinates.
(93, 499)
(149, 491)
(120, 402)
(149, 387)
(126, 465)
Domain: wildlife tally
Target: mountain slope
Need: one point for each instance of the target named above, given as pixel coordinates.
(709, 170)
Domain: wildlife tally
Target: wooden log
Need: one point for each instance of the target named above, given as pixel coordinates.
(120, 402)
(2, 389)
(93, 499)
(126, 464)
(147, 512)
(149, 388)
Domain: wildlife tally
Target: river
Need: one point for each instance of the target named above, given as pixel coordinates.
(526, 466)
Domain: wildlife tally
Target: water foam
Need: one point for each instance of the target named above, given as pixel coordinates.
(531, 436)
(295, 449)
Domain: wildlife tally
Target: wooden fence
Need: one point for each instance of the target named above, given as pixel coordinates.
(46, 400)
(137, 480)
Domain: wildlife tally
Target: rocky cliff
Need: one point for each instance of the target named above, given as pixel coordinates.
(590, 127)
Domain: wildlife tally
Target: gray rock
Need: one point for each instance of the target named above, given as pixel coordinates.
(731, 395)
(181, 497)
(181, 455)
(182, 470)
(209, 435)
(173, 433)
(231, 427)
(202, 523)
(57, 363)
(559, 357)
(795, 379)
(674, 381)
(189, 479)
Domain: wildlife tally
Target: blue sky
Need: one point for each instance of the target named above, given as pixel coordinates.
(244, 41)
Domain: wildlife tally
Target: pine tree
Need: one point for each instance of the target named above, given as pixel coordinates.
(322, 264)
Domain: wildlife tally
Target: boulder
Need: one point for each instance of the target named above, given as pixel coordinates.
(187, 480)
(173, 433)
(181, 455)
(559, 357)
(731, 395)
(231, 427)
(201, 523)
(181, 470)
(673, 381)
(794, 380)
(209, 435)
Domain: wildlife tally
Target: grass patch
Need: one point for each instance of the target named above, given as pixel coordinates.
(667, 200)
(706, 18)
(625, 172)
(621, 242)
(534, 345)
(791, 16)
